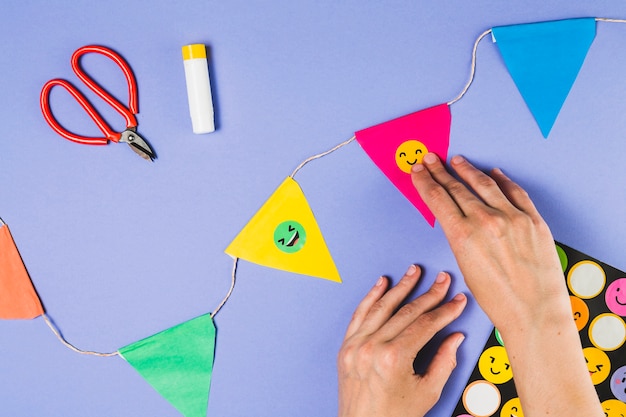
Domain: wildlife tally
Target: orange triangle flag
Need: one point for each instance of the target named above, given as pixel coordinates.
(18, 299)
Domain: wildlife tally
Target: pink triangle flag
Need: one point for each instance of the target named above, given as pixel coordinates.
(395, 146)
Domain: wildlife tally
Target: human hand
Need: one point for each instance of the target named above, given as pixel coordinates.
(502, 244)
(507, 255)
(375, 363)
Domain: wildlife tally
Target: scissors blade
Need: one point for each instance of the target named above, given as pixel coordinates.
(137, 144)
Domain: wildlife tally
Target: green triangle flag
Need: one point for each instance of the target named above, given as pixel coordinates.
(178, 363)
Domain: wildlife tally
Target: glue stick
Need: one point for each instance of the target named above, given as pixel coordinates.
(198, 88)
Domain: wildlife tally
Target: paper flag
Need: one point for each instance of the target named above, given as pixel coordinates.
(178, 363)
(397, 145)
(544, 60)
(18, 299)
(284, 235)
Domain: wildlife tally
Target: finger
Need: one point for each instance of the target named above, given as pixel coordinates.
(485, 186)
(377, 291)
(513, 192)
(457, 192)
(434, 195)
(444, 362)
(418, 333)
(379, 312)
(410, 312)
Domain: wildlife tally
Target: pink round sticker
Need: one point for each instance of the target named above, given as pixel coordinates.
(615, 297)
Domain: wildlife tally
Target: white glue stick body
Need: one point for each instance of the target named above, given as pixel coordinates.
(198, 88)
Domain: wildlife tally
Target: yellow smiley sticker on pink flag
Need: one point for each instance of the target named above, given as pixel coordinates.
(284, 235)
(395, 146)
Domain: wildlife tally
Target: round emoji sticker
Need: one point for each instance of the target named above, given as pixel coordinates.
(562, 257)
(598, 364)
(614, 408)
(615, 297)
(580, 312)
(494, 365)
(410, 153)
(618, 384)
(481, 398)
(289, 236)
(607, 331)
(586, 279)
(512, 408)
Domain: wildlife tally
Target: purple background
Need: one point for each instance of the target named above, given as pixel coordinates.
(120, 249)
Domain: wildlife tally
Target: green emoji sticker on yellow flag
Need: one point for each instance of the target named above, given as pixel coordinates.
(289, 236)
(284, 235)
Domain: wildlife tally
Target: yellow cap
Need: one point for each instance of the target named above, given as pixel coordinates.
(196, 50)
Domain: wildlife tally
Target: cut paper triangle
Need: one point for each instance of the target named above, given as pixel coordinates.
(284, 235)
(395, 146)
(544, 60)
(18, 299)
(178, 363)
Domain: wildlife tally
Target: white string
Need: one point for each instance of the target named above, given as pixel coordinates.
(473, 69)
(311, 158)
(59, 336)
(485, 33)
(230, 291)
(67, 344)
(607, 19)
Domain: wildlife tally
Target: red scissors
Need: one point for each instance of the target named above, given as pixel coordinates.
(130, 135)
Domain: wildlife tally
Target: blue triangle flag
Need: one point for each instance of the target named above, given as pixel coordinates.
(544, 60)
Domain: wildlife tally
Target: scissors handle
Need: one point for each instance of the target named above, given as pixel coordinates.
(127, 112)
(44, 101)
(133, 107)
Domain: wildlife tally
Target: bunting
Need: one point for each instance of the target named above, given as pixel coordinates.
(397, 145)
(284, 235)
(178, 363)
(18, 299)
(544, 60)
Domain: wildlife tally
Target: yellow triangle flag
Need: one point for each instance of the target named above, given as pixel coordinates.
(284, 235)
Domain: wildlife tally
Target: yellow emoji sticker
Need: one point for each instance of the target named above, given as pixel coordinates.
(598, 364)
(494, 365)
(614, 408)
(410, 153)
(512, 408)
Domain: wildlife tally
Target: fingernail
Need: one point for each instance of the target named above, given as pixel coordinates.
(441, 277)
(460, 340)
(417, 168)
(411, 270)
(459, 297)
(457, 159)
(430, 158)
(380, 282)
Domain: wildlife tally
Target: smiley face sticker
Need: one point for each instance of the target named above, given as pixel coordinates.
(614, 408)
(598, 364)
(580, 312)
(494, 365)
(618, 384)
(410, 153)
(512, 408)
(615, 297)
(289, 236)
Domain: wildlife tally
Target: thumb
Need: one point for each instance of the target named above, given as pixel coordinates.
(444, 362)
